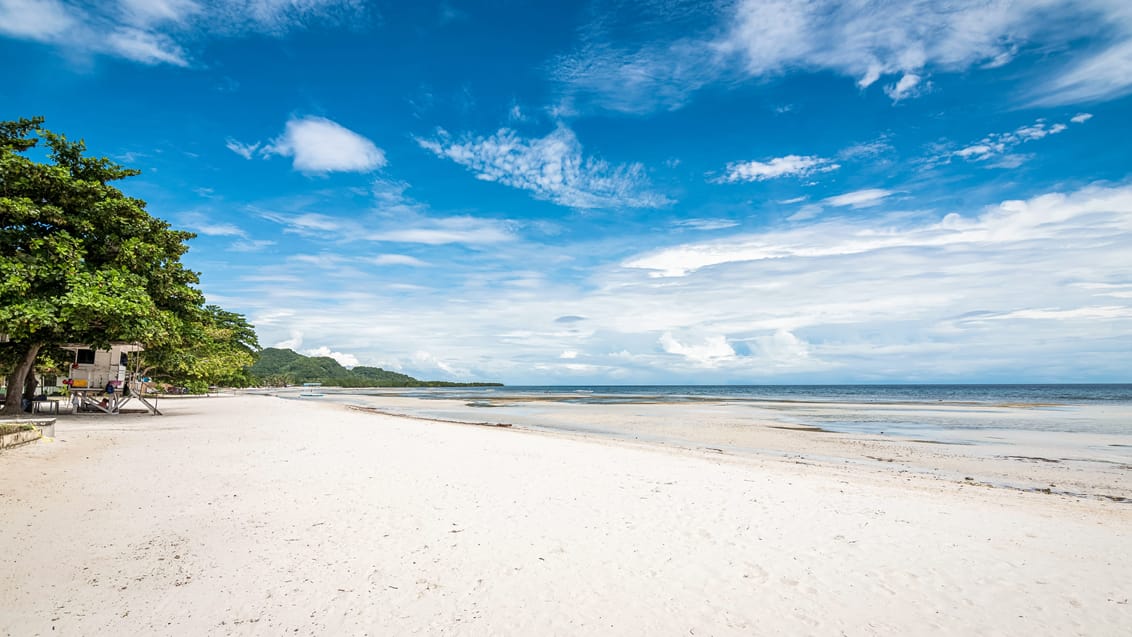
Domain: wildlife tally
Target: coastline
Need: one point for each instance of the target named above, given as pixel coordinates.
(249, 514)
(1079, 464)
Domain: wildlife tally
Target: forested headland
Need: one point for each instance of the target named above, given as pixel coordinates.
(286, 367)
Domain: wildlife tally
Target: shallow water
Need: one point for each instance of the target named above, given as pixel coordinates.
(909, 410)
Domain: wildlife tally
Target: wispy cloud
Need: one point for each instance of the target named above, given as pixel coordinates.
(895, 42)
(1099, 77)
(1040, 218)
(156, 31)
(247, 151)
(859, 198)
(202, 224)
(318, 145)
(999, 145)
(706, 224)
(788, 166)
(553, 168)
(398, 259)
(444, 230)
(251, 245)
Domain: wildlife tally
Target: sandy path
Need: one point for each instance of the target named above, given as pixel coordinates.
(254, 515)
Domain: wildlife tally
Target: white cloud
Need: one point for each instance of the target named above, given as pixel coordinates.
(999, 145)
(444, 230)
(1103, 76)
(427, 360)
(1096, 313)
(809, 211)
(319, 145)
(345, 360)
(398, 259)
(652, 77)
(784, 350)
(866, 150)
(148, 12)
(908, 86)
(706, 224)
(713, 351)
(250, 245)
(788, 166)
(867, 41)
(1037, 290)
(1039, 218)
(905, 41)
(313, 224)
(247, 151)
(154, 31)
(1081, 118)
(40, 20)
(552, 168)
(145, 47)
(859, 198)
(201, 224)
(293, 342)
(568, 354)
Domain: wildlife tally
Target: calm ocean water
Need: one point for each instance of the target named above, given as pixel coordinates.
(989, 394)
(920, 411)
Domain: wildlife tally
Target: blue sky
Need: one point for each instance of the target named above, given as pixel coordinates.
(626, 192)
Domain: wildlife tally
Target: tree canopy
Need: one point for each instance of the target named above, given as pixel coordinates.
(82, 262)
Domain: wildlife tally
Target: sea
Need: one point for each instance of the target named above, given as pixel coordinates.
(920, 411)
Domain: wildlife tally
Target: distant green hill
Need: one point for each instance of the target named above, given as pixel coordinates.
(278, 366)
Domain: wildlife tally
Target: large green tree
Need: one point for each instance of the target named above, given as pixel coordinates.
(79, 260)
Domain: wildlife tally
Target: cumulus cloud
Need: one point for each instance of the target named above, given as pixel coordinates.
(294, 341)
(713, 351)
(318, 145)
(788, 166)
(553, 168)
(345, 360)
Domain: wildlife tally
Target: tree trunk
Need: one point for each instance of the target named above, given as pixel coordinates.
(16, 380)
(30, 384)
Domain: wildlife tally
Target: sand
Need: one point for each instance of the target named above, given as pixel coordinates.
(256, 515)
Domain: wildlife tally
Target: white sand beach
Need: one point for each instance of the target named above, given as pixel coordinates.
(255, 515)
